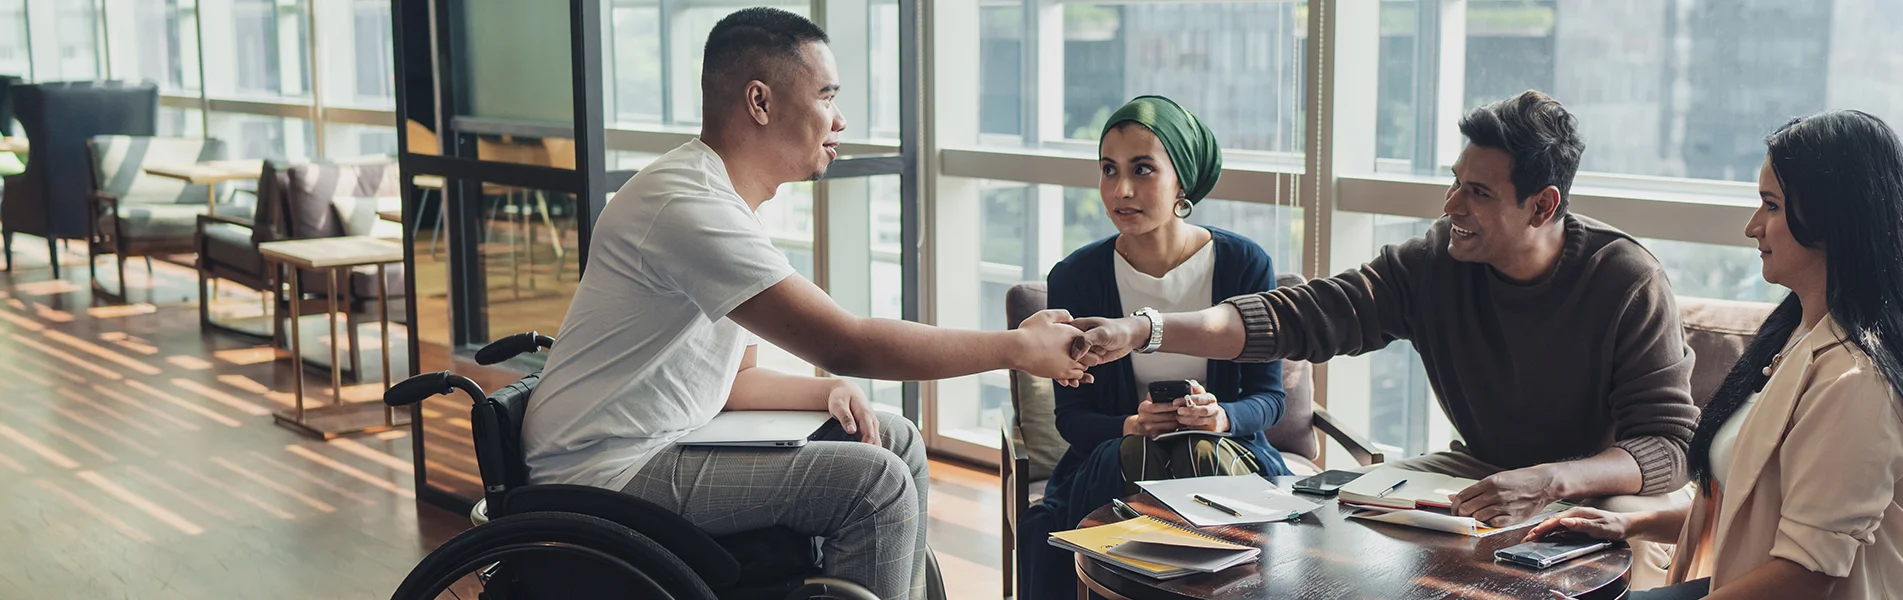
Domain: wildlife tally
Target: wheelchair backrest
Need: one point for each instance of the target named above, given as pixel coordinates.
(496, 424)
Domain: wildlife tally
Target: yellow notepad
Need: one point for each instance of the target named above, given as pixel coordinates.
(1155, 548)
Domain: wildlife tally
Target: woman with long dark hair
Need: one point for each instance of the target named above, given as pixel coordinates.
(1799, 454)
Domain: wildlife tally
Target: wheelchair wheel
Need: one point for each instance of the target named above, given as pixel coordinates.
(552, 555)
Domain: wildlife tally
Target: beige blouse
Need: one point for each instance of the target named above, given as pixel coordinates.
(1816, 479)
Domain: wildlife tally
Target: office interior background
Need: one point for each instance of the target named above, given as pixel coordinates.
(1336, 118)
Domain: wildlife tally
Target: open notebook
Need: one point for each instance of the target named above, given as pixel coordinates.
(1416, 489)
(1154, 548)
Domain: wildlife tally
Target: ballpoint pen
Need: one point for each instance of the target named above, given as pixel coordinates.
(1397, 485)
(1212, 504)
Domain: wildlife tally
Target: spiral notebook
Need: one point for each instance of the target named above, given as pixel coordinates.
(1155, 548)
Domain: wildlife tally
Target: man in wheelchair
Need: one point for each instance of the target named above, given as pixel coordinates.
(661, 334)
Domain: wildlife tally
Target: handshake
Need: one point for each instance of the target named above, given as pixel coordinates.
(1052, 344)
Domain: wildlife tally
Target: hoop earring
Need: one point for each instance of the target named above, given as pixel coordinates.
(1184, 208)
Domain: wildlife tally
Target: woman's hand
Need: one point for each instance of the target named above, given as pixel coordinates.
(1152, 419)
(847, 403)
(1200, 410)
(1590, 521)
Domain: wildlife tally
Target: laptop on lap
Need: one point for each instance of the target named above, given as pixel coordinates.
(759, 429)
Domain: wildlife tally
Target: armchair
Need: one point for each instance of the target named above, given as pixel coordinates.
(50, 199)
(1032, 444)
(135, 214)
(294, 202)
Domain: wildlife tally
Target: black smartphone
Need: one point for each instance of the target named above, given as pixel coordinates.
(1325, 484)
(1165, 392)
(1551, 551)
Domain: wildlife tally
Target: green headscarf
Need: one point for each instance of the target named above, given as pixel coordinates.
(1192, 146)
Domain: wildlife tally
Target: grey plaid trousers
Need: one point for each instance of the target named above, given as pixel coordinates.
(867, 502)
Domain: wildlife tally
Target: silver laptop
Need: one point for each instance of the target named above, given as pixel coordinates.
(758, 429)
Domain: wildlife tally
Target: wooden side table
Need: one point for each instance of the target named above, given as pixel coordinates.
(336, 256)
(210, 174)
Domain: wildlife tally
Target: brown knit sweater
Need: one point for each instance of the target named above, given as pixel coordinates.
(1591, 357)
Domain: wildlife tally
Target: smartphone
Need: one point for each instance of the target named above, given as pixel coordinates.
(1165, 392)
(1325, 484)
(1551, 551)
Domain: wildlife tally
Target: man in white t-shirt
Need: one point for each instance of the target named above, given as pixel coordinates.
(656, 341)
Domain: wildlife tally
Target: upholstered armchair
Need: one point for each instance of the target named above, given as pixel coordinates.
(50, 199)
(136, 214)
(1032, 444)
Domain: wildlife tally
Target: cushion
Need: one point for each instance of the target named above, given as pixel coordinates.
(358, 215)
(1036, 403)
(157, 221)
(1300, 466)
(230, 246)
(1717, 332)
(1032, 497)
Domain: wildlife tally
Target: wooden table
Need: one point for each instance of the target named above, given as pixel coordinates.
(210, 174)
(17, 145)
(1327, 555)
(336, 256)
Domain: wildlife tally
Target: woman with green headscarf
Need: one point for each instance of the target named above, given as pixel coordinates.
(1157, 161)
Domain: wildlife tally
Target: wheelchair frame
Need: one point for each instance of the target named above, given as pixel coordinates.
(649, 552)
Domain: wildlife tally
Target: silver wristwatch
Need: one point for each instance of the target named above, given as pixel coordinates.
(1156, 329)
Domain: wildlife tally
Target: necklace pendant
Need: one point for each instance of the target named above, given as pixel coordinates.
(1768, 369)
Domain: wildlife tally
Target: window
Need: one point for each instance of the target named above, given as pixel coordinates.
(161, 44)
(14, 57)
(356, 54)
(258, 136)
(1673, 89)
(1714, 271)
(1236, 65)
(255, 49)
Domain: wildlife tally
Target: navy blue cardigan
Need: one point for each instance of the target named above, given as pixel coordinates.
(1085, 283)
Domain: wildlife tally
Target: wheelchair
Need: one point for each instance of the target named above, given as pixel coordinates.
(570, 541)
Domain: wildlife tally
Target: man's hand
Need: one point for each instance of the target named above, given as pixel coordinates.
(1506, 498)
(1152, 419)
(847, 403)
(1590, 521)
(1049, 347)
(1200, 410)
(1112, 339)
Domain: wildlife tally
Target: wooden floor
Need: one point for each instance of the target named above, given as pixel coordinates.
(143, 461)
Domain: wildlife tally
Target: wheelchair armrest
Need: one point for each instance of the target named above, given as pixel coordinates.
(693, 546)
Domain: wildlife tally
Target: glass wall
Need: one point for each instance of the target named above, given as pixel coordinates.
(1673, 98)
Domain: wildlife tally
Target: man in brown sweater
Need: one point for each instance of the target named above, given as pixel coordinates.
(1552, 340)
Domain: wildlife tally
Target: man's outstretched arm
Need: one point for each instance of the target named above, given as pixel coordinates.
(796, 315)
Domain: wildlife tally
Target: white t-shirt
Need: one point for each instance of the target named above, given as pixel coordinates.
(1186, 288)
(647, 353)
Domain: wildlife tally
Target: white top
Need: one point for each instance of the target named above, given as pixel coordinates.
(646, 353)
(1187, 288)
(1724, 444)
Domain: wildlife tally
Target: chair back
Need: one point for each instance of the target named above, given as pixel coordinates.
(1717, 331)
(310, 187)
(119, 163)
(496, 430)
(49, 199)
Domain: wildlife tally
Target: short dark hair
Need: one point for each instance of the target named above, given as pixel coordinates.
(754, 43)
(1539, 134)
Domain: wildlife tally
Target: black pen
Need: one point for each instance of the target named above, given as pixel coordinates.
(1397, 485)
(1212, 504)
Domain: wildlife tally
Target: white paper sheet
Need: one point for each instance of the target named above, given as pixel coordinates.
(1258, 499)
